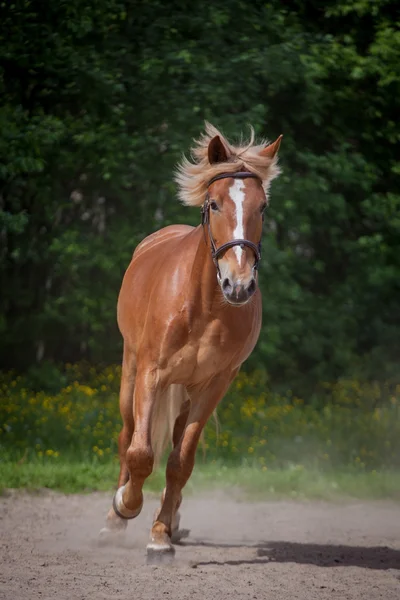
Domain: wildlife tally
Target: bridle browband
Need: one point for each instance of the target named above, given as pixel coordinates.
(205, 220)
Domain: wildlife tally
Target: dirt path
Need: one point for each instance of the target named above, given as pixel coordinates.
(236, 550)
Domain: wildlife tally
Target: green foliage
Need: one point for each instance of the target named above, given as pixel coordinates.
(351, 425)
(346, 424)
(99, 100)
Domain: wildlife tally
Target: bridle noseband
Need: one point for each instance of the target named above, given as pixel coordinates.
(205, 220)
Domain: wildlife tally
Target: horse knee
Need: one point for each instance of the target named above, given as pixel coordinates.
(140, 461)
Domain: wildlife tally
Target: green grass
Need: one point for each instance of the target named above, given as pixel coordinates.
(300, 483)
(61, 433)
(71, 476)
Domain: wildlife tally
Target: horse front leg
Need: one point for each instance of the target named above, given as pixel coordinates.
(139, 458)
(181, 462)
(114, 523)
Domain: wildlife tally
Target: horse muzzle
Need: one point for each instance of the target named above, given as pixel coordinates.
(238, 294)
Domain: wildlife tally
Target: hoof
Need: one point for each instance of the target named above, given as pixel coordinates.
(160, 554)
(111, 536)
(179, 535)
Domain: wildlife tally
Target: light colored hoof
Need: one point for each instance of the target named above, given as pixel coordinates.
(111, 536)
(179, 534)
(160, 553)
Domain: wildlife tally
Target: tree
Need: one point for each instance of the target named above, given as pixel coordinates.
(100, 100)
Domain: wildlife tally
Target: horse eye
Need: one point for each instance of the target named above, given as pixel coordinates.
(214, 205)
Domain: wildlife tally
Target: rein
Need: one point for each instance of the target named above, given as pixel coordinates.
(205, 221)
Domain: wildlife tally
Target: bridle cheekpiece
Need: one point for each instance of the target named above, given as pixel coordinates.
(205, 221)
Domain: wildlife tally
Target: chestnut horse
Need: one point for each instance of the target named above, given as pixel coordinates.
(189, 311)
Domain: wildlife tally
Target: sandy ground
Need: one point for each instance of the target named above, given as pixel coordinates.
(272, 550)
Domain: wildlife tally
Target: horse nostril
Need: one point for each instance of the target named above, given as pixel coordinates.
(227, 286)
(252, 287)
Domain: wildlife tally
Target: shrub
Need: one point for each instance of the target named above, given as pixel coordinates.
(350, 423)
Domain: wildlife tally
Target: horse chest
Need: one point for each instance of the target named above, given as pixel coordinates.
(207, 353)
(215, 345)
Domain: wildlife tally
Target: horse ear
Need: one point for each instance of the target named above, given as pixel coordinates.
(271, 150)
(216, 151)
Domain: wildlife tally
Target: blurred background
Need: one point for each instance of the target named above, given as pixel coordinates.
(99, 99)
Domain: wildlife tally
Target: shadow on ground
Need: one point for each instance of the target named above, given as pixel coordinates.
(320, 555)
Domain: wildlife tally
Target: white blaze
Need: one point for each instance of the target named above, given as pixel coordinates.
(236, 192)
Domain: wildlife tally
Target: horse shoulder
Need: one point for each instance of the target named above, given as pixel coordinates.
(153, 273)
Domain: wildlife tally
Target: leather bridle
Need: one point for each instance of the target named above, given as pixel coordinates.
(205, 221)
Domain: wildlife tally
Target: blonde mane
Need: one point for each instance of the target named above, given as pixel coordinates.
(193, 177)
